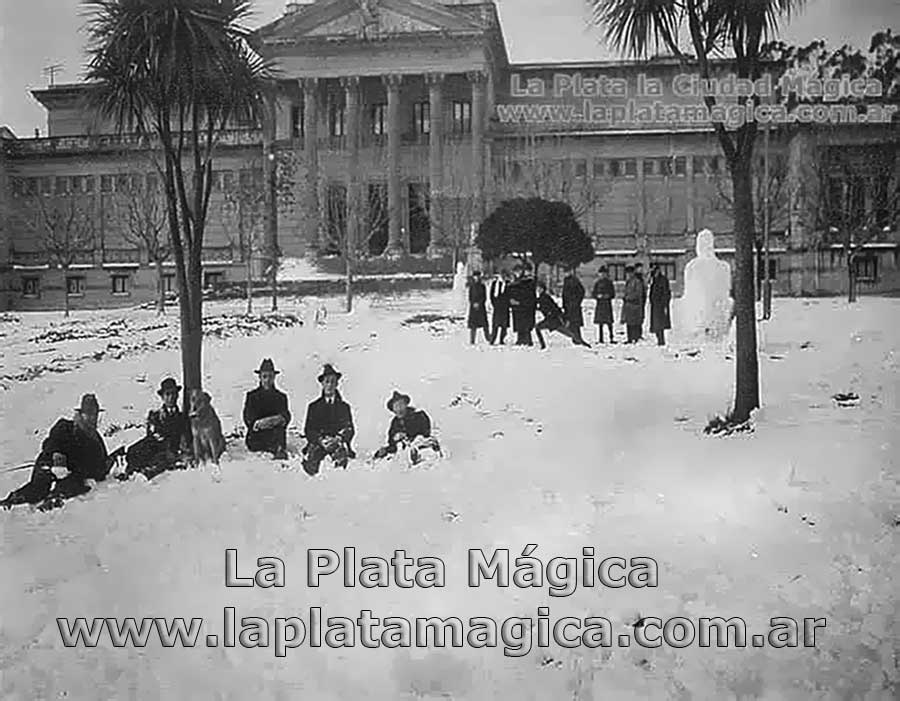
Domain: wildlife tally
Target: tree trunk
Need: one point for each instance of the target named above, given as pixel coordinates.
(851, 278)
(746, 391)
(66, 293)
(161, 289)
(249, 284)
(273, 280)
(349, 283)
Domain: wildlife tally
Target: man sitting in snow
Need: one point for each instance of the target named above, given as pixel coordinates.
(553, 320)
(329, 426)
(72, 453)
(167, 438)
(410, 429)
(266, 414)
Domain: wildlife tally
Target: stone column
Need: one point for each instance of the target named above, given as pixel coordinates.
(801, 180)
(315, 225)
(478, 79)
(395, 214)
(438, 245)
(352, 124)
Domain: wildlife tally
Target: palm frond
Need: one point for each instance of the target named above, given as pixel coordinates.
(638, 28)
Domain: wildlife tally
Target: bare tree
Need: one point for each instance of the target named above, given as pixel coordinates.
(140, 209)
(241, 214)
(64, 226)
(771, 203)
(855, 198)
(371, 223)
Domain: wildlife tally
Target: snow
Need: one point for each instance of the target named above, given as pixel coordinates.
(565, 449)
(300, 269)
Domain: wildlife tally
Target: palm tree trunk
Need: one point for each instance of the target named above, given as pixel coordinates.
(746, 391)
(192, 326)
(160, 289)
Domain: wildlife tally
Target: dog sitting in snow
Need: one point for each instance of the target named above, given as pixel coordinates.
(206, 429)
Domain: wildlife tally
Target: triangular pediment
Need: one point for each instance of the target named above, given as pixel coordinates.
(368, 19)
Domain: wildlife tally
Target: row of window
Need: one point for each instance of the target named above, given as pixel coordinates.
(120, 284)
(376, 122)
(222, 180)
(664, 166)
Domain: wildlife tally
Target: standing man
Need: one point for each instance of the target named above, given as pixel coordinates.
(523, 301)
(477, 308)
(632, 305)
(499, 293)
(604, 292)
(639, 274)
(168, 436)
(71, 454)
(572, 297)
(266, 414)
(660, 297)
(329, 426)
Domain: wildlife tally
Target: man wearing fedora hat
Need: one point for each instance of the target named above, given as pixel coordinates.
(72, 453)
(168, 432)
(266, 414)
(329, 426)
(410, 429)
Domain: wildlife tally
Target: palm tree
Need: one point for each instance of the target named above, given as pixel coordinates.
(179, 72)
(735, 30)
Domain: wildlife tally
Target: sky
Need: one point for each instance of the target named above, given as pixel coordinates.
(38, 33)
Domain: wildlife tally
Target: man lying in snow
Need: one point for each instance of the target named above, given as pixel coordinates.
(410, 430)
(553, 320)
(72, 453)
(329, 426)
(167, 439)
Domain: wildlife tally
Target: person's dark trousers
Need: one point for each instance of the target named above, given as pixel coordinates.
(523, 338)
(472, 333)
(315, 454)
(43, 485)
(612, 338)
(502, 331)
(633, 333)
(661, 338)
(578, 339)
(272, 440)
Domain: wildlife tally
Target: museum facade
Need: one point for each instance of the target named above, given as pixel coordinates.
(398, 125)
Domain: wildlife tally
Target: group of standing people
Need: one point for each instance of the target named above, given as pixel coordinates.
(516, 300)
(517, 297)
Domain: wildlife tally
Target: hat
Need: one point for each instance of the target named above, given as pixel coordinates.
(327, 371)
(603, 269)
(168, 385)
(476, 273)
(394, 397)
(89, 404)
(267, 366)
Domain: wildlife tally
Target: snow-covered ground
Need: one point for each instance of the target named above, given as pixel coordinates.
(563, 449)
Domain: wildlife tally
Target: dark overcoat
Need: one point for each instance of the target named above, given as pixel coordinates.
(86, 455)
(572, 297)
(660, 297)
(604, 292)
(523, 300)
(168, 434)
(414, 423)
(633, 303)
(477, 305)
(260, 403)
(499, 291)
(324, 419)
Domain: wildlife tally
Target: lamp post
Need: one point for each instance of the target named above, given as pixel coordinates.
(767, 278)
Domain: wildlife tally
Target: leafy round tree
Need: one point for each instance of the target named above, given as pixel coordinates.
(547, 231)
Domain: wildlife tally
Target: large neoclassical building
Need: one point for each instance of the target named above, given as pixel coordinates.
(399, 125)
